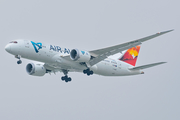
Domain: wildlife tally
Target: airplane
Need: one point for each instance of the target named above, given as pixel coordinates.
(57, 59)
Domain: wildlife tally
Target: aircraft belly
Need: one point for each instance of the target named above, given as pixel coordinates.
(104, 69)
(71, 65)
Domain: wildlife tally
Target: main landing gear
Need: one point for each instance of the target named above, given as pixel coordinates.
(88, 72)
(65, 78)
(18, 57)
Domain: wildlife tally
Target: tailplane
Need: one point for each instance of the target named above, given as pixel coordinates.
(146, 66)
(131, 55)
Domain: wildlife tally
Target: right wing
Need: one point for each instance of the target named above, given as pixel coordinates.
(101, 54)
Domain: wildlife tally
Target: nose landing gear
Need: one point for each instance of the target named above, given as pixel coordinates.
(18, 57)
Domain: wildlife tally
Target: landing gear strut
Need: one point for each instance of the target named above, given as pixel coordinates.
(18, 57)
(88, 72)
(65, 78)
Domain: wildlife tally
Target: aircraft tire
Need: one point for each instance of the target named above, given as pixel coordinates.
(66, 79)
(62, 78)
(88, 73)
(19, 62)
(91, 72)
(69, 79)
(84, 71)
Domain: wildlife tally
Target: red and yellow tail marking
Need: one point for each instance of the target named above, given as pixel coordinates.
(131, 55)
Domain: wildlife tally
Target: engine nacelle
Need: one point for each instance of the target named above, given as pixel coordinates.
(80, 56)
(35, 69)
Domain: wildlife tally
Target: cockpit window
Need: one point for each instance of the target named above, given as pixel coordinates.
(13, 42)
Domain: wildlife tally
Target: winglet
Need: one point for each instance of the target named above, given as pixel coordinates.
(153, 36)
(165, 31)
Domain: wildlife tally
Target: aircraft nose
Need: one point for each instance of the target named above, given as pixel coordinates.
(8, 48)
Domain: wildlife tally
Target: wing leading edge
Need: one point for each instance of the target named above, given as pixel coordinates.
(102, 54)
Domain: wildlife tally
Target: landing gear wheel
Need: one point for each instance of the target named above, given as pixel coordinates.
(91, 72)
(88, 72)
(85, 71)
(65, 78)
(69, 79)
(62, 78)
(19, 62)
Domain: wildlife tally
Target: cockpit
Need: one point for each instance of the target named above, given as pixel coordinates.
(13, 42)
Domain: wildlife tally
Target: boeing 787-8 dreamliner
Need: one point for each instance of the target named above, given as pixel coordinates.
(58, 59)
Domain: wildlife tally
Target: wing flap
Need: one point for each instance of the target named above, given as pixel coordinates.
(146, 66)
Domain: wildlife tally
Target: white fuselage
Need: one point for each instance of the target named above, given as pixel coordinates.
(54, 56)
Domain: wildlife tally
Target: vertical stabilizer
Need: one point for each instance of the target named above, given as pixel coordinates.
(131, 55)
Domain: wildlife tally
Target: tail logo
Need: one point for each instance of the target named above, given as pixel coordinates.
(37, 46)
(133, 52)
(131, 55)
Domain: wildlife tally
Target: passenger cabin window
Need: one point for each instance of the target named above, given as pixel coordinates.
(13, 42)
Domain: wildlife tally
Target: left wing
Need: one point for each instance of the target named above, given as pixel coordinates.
(102, 54)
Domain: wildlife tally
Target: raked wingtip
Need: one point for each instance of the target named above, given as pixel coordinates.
(167, 31)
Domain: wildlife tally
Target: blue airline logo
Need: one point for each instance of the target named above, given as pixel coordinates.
(37, 46)
(83, 52)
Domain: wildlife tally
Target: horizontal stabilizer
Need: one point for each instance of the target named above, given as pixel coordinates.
(146, 66)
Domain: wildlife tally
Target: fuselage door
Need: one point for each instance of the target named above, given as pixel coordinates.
(114, 67)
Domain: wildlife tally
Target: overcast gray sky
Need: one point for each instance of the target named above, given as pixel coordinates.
(89, 25)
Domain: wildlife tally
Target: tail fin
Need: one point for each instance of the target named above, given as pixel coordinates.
(131, 55)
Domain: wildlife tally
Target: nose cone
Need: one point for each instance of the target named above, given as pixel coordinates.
(8, 48)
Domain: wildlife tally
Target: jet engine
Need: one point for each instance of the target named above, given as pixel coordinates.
(35, 69)
(80, 56)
